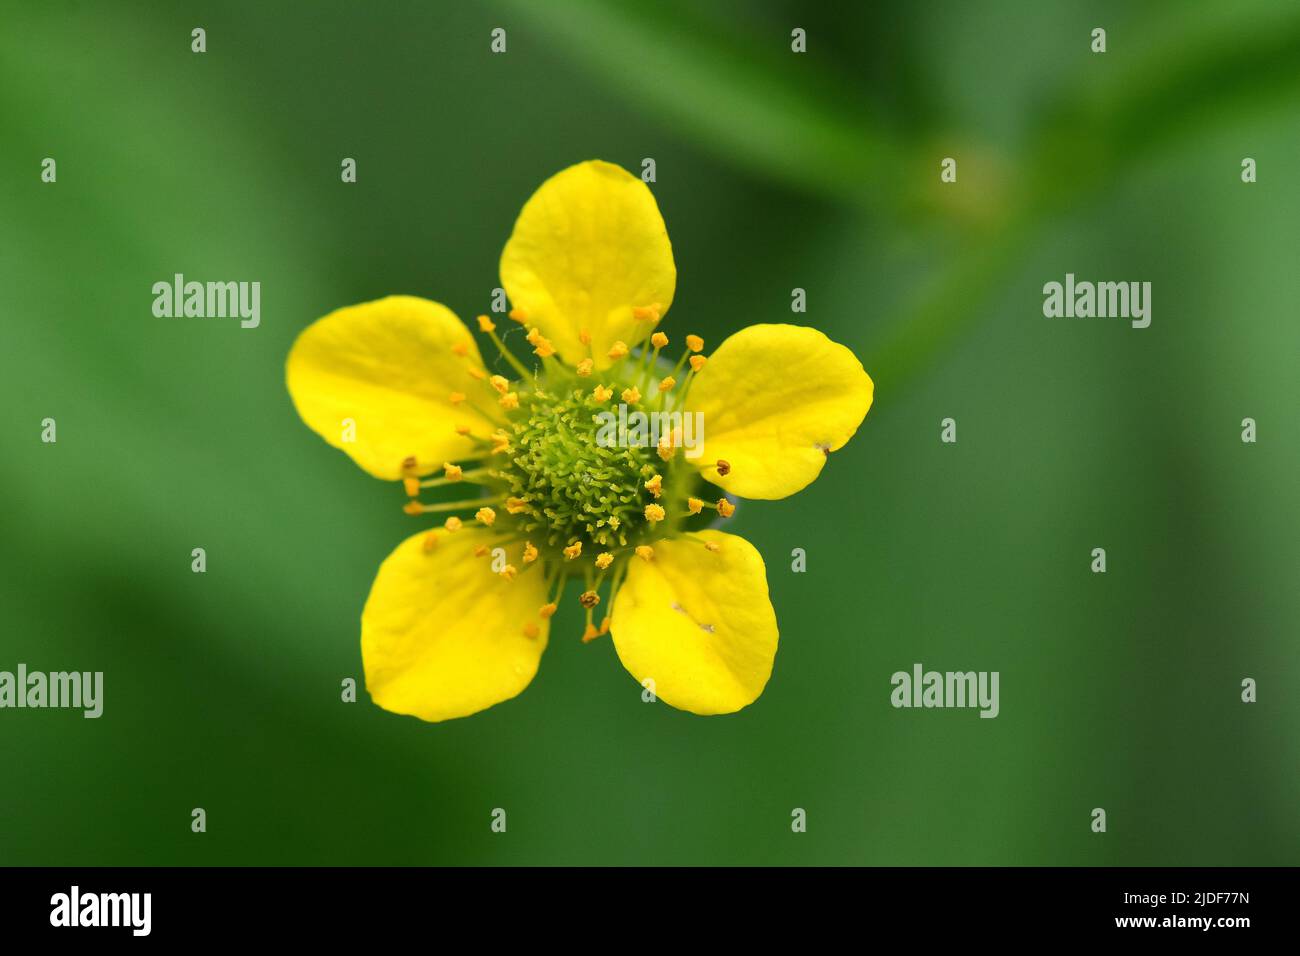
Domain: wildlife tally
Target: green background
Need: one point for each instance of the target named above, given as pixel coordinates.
(775, 171)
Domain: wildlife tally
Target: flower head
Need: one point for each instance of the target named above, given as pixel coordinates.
(590, 274)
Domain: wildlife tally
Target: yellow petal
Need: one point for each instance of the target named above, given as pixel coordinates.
(698, 623)
(386, 367)
(588, 248)
(442, 635)
(776, 399)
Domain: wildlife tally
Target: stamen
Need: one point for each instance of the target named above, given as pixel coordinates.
(667, 384)
(724, 468)
(509, 401)
(516, 505)
(584, 336)
(530, 552)
(646, 313)
(412, 486)
(631, 395)
(725, 508)
(500, 383)
(645, 552)
(604, 560)
(409, 463)
(665, 447)
(618, 351)
(658, 340)
(453, 523)
(589, 599)
(585, 367)
(655, 485)
(547, 610)
(602, 394)
(573, 550)
(697, 362)
(694, 505)
(461, 349)
(453, 472)
(712, 546)
(509, 572)
(486, 515)
(430, 542)
(531, 630)
(695, 343)
(654, 513)
(518, 315)
(456, 397)
(481, 551)
(485, 324)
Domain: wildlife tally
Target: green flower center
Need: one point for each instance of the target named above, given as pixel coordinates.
(576, 487)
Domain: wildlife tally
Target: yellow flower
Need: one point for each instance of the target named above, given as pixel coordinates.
(589, 269)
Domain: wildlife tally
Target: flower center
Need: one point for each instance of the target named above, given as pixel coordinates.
(575, 486)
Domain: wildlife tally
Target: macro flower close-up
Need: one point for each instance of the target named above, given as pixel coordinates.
(597, 466)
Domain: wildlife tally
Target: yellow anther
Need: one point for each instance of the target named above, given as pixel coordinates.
(531, 630)
(413, 508)
(618, 350)
(694, 505)
(646, 313)
(654, 513)
(589, 599)
(695, 343)
(409, 463)
(573, 550)
(602, 394)
(724, 468)
(632, 395)
(544, 348)
(584, 367)
(658, 340)
(453, 472)
(667, 383)
(412, 486)
(477, 373)
(712, 546)
(519, 315)
(645, 552)
(530, 552)
(509, 572)
(485, 324)
(534, 336)
(584, 336)
(516, 505)
(697, 362)
(666, 449)
(655, 485)
(461, 349)
(430, 542)
(590, 634)
(500, 383)
(456, 397)
(604, 560)
(726, 508)
(486, 515)
(614, 522)
(462, 429)
(453, 523)
(481, 551)
(547, 610)
(509, 401)
(500, 442)
(604, 626)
